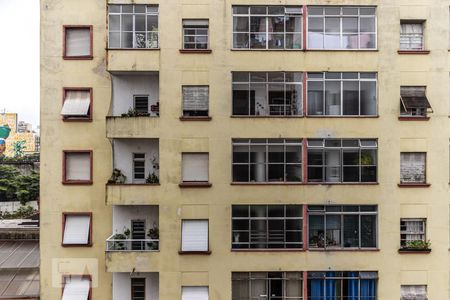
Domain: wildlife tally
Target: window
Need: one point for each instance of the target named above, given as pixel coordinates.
(267, 160)
(412, 230)
(413, 167)
(411, 35)
(138, 167)
(267, 226)
(140, 103)
(413, 101)
(133, 26)
(194, 293)
(267, 27)
(77, 229)
(77, 104)
(348, 226)
(267, 285)
(77, 42)
(138, 288)
(339, 28)
(342, 94)
(77, 166)
(195, 101)
(342, 160)
(194, 236)
(77, 287)
(267, 93)
(342, 285)
(195, 167)
(414, 292)
(195, 34)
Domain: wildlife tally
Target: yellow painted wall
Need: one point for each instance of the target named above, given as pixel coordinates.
(214, 69)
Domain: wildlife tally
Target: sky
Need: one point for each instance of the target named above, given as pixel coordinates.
(19, 59)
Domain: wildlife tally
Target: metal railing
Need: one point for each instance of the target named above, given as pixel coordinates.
(131, 244)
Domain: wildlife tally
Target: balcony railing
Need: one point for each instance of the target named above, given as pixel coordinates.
(132, 244)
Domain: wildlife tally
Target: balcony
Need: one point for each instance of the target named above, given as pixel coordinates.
(135, 104)
(135, 238)
(128, 286)
(132, 59)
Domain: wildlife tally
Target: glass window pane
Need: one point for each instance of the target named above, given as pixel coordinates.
(333, 97)
(152, 23)
(315, 98)
(293, 23)
(240, 173)
(351, 231)
(333, 232)
(241, 99)
(350, 98)
(368, 96)
(316, 231)
(367, 24)
(139, 24)
(114, 40)
(241, 24)
(114, 23)
(350, 25)
(293, 211)
(332, 25)
(240, 211)
(241, 40)
(368, 231)
(127, 23)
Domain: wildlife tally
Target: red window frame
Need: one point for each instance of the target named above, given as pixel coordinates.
(91, 107)
(64, 168)
(64, 216)
(81, 57)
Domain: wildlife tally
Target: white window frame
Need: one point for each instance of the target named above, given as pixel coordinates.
(360, 78)
(341, 16)
(196, 28)
(147, 32)
(288, 10)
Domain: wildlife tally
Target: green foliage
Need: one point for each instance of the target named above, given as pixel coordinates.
(18, 148)
(24, 212)
(134, 113)
(27, 158)
(418, 244)
(16, 187)
(152, 178)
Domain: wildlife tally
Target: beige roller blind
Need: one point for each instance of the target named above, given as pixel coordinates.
(78, 166)
(76, 103)
(78, 42)
(76, 230)
(195, 166)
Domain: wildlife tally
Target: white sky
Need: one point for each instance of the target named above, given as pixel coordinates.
(19, 59)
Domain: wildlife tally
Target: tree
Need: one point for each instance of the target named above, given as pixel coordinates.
(18, 147)
(16, 187)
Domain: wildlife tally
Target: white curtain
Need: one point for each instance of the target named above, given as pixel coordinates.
(76, 103)
(78, 41)
(415, 229)
(76, 230)
(194, 293)
(78, 166)
(194, 235)
(195, 167)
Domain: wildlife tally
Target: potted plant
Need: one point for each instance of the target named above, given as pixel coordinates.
(153, 234)
(416, 246)
(117, 177)
(134, 113)
(118, 245)
(152, 178)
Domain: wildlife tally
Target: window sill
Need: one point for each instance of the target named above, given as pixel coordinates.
(341, 50)
(424, 52)
(195, 184)
(195, 118)
(342, 183)
(120, 117)
(194, 252)
(79, 182)
(414, 185)
(82, 120)
(133, 49)
(87, 57)
(76, 245)
(415, 251)
(270, 117)
(132, 184)
(191, 51)
(343, 117)
(343, 250)
(269, 250)
(413, 118)
(266, 50)
(266, 183)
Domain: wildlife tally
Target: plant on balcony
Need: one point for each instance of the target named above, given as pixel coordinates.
(152, 178)
(417, 245)
(153, 233)
(118, 245)
(134, 113)
(117, 177)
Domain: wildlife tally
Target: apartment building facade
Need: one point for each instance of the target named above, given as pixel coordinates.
(197, 149)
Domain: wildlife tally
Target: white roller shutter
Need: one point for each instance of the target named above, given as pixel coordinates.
(76, 103)
(194, 235)
(195, 293)
(76, 230)
(412, 167)
(76, 288)
(195, 98)
(414, 292)
(194, 23)
(195, 167)
(78, 42)
(78, 166)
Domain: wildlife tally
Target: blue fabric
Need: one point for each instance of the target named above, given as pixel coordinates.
(317, 289)
(352, 286)
(368, 289)
(330, 286)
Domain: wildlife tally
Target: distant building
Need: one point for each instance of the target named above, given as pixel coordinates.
(20, 131)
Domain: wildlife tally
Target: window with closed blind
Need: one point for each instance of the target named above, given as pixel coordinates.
(77, 287)
(194, 236)
(138, 167)
(77, 104)
(195, 167)
(413, 292)
(140, 104)
(77, 166)
(412, 167)
(77, 42)
(195, 101)
(194, 293)
(77, 229)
